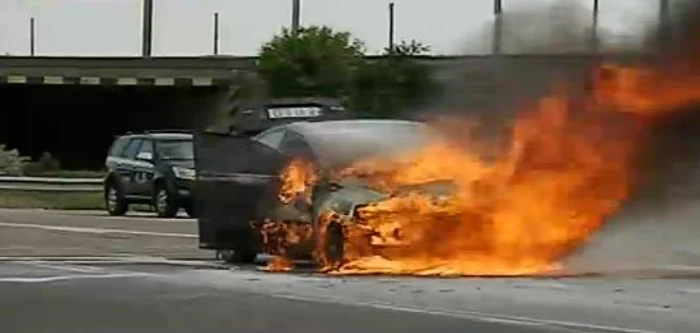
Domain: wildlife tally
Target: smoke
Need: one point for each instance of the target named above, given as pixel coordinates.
(659, 228)
(673, 159)
(492, 90)
(535, 41)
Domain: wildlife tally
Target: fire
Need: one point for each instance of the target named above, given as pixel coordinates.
(279, 264)
(552, 187)
(283, 239)
(297, 179)
(569, 165)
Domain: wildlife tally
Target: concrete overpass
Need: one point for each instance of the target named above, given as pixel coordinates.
(72, 106)
(58, 104)
(123, 71)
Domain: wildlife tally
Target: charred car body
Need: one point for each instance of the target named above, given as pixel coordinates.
(239, 182)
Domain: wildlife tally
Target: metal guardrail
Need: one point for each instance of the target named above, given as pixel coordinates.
(49, 184)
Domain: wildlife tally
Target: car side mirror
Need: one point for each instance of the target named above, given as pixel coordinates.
(145, 156)
(334, 186)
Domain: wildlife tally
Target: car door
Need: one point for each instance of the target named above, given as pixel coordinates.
(295, 145)
(143, 170)
(126, 168)
(237, 182)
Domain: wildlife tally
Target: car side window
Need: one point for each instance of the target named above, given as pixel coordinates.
(118, 146)
(272, 138)
(294, 144)
(132, 149)
(146, 147)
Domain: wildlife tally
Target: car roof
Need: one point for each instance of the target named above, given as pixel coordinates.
(312, 128)
(323, 136)
(161, 136)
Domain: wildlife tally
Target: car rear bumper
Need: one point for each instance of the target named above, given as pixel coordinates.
(183, 189)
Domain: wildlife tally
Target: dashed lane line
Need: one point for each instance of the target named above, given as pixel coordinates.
(68, 268)
(70, 277)
(96, 231)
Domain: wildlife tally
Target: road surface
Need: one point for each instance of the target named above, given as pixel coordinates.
(81, 233)
(146, 275)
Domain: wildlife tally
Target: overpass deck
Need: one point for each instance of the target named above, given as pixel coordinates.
(166, 71)
(213, 70)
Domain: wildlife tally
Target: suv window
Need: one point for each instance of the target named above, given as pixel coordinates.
(118, 146)
(132, 149)
(146, 147)
(272, 138)
(175, 149)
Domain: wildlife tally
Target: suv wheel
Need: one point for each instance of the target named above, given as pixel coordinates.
(114, 200)
(191, 212)
(164, 202)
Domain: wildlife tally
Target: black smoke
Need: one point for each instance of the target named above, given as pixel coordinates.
(672, 159)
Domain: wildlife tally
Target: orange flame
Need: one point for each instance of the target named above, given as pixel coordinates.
(569, 165)
(282, 239)
(297, 179)
(279, 264)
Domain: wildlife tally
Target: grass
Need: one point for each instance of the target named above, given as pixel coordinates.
(51, 200)
(67, 174)
(55, 200)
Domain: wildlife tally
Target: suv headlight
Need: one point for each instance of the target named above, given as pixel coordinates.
(184, 173)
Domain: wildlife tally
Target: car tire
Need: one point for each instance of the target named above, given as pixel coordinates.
(333, 246)
(239, 256)
(115, 203)
(164, 202)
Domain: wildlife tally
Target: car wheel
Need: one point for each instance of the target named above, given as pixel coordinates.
(164, 202)
(114, 200)
(240, 256)
(333, 245)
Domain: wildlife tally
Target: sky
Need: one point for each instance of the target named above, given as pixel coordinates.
(184, 27)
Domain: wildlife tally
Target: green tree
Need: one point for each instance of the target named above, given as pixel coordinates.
(396, 81)
(317, 61)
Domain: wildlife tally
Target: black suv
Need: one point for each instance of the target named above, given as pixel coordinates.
(153, 167)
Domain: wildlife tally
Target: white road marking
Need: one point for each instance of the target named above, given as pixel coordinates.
(473, 315)
(68, 268)
(63, 259)
(141, 218)
(99, 231)
(132, 215)
(76, 263)
(68, 277)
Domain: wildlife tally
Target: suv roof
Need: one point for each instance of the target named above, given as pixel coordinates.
(161, 134)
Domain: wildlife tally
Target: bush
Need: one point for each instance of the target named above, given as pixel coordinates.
(11, 162)
(46, 164)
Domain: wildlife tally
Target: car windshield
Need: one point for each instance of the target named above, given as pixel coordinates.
(340, 145)
(175, 149)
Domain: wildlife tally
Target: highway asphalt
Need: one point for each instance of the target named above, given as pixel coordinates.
(128, 302)
(80, 233)
(146, 275)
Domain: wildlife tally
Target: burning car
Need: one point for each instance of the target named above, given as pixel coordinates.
(293, 176)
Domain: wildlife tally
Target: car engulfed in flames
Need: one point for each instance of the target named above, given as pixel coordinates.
(569, 164)
(443, 209)
(462, 205)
